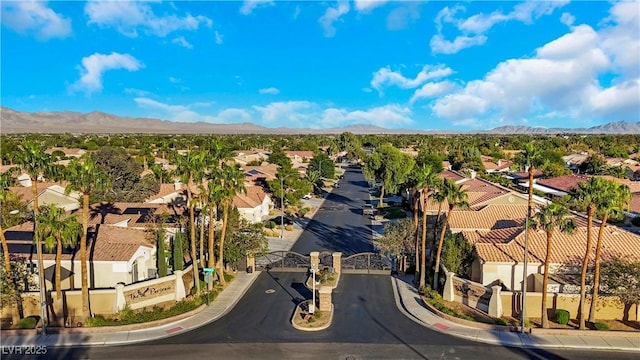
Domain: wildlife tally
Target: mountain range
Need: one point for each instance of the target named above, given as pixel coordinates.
(96, 122)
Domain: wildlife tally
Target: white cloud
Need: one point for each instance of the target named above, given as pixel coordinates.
(561, 80)
(473, 28)
(128, 16)
(180, 40)
(432, 89)
(400, 17)
(94, 66)
(567, 19)
(291, 113)
(367, 5)
(440, 45)
(386, 77)
(34, 17)
(250, 5)
(218, 37)
(174, 80)
(332, 15)
(270, 91)
(183, 113)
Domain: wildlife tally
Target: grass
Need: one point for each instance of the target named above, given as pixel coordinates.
(395, 213)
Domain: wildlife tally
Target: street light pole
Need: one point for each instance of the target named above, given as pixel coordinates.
(312, 306)
(524, 271)
(281, 207)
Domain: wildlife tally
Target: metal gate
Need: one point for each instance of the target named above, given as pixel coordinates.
(287, 261)
(366, 263)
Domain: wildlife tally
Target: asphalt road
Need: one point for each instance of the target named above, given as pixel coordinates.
(339, 225)
(366, 323)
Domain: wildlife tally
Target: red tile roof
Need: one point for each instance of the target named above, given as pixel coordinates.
(563, 183)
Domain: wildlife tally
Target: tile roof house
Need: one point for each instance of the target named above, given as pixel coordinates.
(495, 166)
(49, 193)
(115, 254)
(242, 157)
(254, 205)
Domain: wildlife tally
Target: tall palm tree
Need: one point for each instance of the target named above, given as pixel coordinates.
(551, 218)
(189, 168)
(587, 193)
(426, 179)
(613, 200)
(86, 177)
(457, 198)
(440, 198)
(58, 231)
(232, 179)
(33, 160)
(212, 195)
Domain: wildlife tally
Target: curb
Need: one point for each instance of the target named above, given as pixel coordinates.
(301, 328)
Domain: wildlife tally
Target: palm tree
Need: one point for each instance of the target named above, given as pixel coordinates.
(426, 178)
(189, 168)
(58, 231)
(457, 198)
(440, 198)
(212, 195)
(159, 173)
(588, 193)
(551, 218)
(613, 199)
(33, 160)
(85, 177)
(232, 179)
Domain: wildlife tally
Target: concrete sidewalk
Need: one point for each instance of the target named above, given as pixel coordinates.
(410, 303)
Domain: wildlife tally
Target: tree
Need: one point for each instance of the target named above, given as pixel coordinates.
(85, 177)
(189, 168)
(232, 183)
(614, 197)
(248, 241)
(5, 181)
(426, 179)
(594, 164)
(278, 157)
(456, 197)
(621, 278)
(33, 160)
(314, 178)
(587, 194)
(159, 173)
(389, 166)
(457, 255)
(58, 231)
(322, 164)
(397, 238)
(14, 284)
(158, 233)
(124, 174)
(178, 256)
(551, 218)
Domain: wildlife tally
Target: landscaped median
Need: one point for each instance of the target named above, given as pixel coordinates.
(304, 321)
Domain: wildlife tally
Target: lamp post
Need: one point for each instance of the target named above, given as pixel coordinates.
(43, 303)
(524, 271)
(312, 306)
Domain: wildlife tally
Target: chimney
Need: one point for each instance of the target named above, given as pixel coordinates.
(177, 185)
(472, 173)
(499, 162)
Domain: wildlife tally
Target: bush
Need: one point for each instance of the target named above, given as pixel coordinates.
(303, 211)
(502, 321)
(289, 227)
(601, 326)
(395, 213)
(271, 225)
(562, 317)
(27, 323)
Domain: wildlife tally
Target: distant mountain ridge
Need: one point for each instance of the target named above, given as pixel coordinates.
(97, 122)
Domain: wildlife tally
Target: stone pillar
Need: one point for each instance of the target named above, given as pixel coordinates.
(495, 303)
(180, 292)
(448, 293)
(121, 301)
(251, 262)
(315, 259)
(337, 262)
(325, 298)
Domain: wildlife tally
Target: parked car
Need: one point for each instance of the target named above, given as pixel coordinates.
(336, 185)
(307, 196)
(368, 209)
(287, 220)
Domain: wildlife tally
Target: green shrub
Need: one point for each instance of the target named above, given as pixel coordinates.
(395, 213)
(27, 323)
(289, 227)
(601, 326)
(271, 225)
(304, 211)
(562, 316)
(502, 321)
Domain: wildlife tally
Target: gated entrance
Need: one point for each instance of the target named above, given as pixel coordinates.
(289, 261)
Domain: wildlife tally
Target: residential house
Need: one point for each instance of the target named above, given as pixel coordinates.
(573, 161)
(254, 205)
(243, 157)
(48, 193)
(498, 166)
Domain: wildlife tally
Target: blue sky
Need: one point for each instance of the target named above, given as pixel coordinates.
(319, 64)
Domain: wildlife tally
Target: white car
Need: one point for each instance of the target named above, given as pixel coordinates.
(307, 196)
